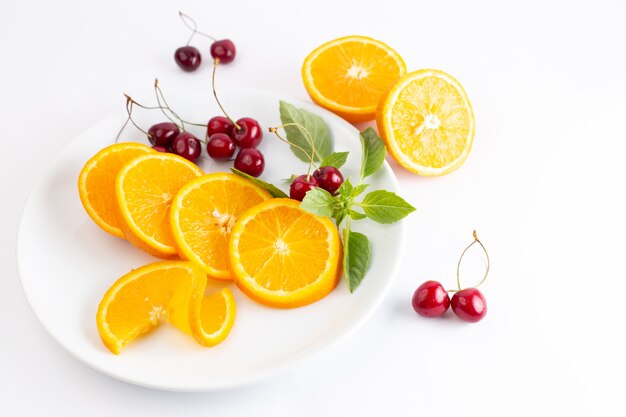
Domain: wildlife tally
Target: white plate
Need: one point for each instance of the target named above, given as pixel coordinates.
(66, 264)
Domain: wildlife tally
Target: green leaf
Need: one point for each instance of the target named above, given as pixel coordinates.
(322, 145)
(270, 188)
(358, 190)
(319, 201)
(335, 159)
(356, 215)
(385, 207)
(339, 214)
(356, 257)
(345, 189)
(373, 152)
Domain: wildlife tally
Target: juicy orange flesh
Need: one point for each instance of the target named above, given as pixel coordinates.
(354, 73)
(431, 122)
(142, 303)
(213, 313)
(100, 183)
(284, 249)
(208, 215)
(149, 195)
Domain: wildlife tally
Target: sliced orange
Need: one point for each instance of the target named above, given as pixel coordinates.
(349, 75)
(145, 188)
(170, 290)
(203, 214)
(96, 183)
(427, 122)
(283, 256)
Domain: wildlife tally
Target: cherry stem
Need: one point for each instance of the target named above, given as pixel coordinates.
(458, 267)
(129, 107)
(217, 61)
(193, 27)
(274, 130)
(129, 110)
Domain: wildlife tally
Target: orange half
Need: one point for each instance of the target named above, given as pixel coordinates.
(427, 122)
(349, 75)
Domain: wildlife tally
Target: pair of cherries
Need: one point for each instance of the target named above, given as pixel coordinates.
(167, 137)
(432, 300)
(224, 137)
(327, 177)
(189, 58)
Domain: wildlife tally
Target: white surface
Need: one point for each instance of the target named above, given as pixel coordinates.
(544, 187)
(66, 264)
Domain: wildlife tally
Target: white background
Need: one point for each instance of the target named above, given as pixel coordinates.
(544, 187)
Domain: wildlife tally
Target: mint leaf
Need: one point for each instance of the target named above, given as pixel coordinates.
(335, 159)
(340, 214)
(345, 189)
(373, 152)
(322, 145)
(356, 215)
(356, 257)
(270, 188)
(318, 201)
(385, 207)
(358, 190)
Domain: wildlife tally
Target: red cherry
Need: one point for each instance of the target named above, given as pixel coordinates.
(249, 134)
(188, 58)
(219, 124)
(160, 148)
(221, 147)
(162, 134)
(301, 185)
(187, 146)
(224, 50)
(469, 305)
(329, 178)
(431, 299)
(250, 161)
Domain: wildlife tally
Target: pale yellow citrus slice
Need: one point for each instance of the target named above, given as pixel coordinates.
(427, 122)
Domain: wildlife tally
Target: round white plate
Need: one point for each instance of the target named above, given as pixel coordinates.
(66, 264)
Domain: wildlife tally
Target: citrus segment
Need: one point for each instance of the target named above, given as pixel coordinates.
(427, 122)
(283, 256)
(203, 213)
(165, 290)
(96, 183)
(145, 188)
(349, 75)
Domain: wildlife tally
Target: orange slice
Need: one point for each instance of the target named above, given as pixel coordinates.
(349, 75)
(145, 188)
(203, 214)
(283, 256)
(427, 122)
(170, 290)
(96, 183)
